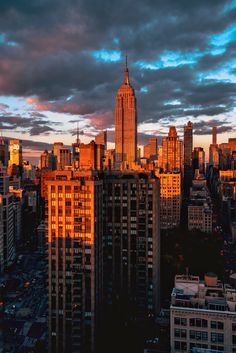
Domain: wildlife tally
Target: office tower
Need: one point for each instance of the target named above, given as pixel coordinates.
(15, 150)
(188, 150)
(91, 156)
(150, 149)
(75, 256)
(132, 242)
(200, 205)
(126, 124)
(202, 315)
(7, 240)
(172, 152)
(170, 199)
(4, 154)
(101, 139)
(47, 161)
(199, 159)
(227, 152)
(214, 150)
(76, 150)
(146, 151)
(62, 154)
(109, 159)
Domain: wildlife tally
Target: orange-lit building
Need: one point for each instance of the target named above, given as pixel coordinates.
(74, 259)
(126, 124)
(91, 156)
(62, 155)
(15, 151)
(214, 150)
(170, 199)
(101, 139)
(150, 149)
(171, 158)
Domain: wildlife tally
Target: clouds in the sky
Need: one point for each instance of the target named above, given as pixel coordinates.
(66, 57)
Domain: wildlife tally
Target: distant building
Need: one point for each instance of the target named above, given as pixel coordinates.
(62, 154)
(214, 150)
(170, 199)
(4, 154)
(150, 150)
(126, 124)
(188, 150)
(203, 315)
(200, 207)
(15, 150)
(198, 159)
(101, 139)
(91, 156)
(171, 157)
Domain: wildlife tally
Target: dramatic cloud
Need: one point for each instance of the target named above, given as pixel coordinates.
(66, 58)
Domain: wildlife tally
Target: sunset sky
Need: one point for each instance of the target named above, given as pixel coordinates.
(61, 61)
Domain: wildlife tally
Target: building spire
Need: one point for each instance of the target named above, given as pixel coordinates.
(126, 73)
(77, 133)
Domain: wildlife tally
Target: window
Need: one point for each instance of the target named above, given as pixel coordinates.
(180, 346)
(217, 337)
(182, 321)
(218, 325)
(198, 335)
(198, 322)
(180, 333)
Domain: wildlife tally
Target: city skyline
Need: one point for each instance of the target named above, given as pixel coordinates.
(181, 60)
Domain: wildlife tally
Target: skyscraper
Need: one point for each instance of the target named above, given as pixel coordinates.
(74, 253)
(131, 241)
(101, 139)
(214, 150)
(188, 149)
(126, 124)
(15, 150)
(172, 152)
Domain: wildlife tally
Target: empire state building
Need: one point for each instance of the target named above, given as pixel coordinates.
(126, 123)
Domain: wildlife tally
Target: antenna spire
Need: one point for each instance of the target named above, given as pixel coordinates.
(126, 73)
(77, 133)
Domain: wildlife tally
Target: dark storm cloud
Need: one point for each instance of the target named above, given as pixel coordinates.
(35, 126)
(48, 46)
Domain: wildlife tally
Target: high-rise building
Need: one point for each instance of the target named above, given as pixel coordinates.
(214, 150)
(150, 150)
(62, 154)
(126, 124)
(101, 139)
(172, 152)
(131, 242)
(47, 161)
(91, 156)
(188, 150)
(4, 154)
(15, 150)
(199, 159)
(170, 199)
(75, 257)
(202, 315)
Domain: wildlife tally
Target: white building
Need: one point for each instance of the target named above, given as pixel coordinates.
(203, 315)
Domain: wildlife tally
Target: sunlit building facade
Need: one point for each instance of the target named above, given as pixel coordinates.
(170, 199)
(75, 254)
(126, 124)
(171, 158)
(15, 151)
